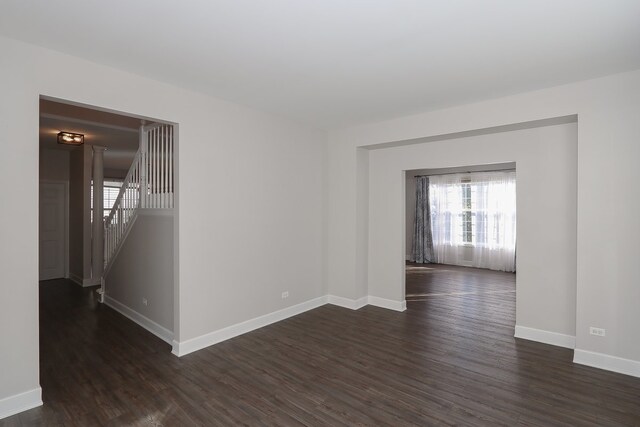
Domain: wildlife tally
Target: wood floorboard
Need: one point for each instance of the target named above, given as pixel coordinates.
(450, 359)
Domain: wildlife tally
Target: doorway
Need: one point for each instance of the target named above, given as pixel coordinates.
(460, 232)
(108, 210)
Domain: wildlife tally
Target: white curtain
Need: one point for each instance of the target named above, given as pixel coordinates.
(473, 219)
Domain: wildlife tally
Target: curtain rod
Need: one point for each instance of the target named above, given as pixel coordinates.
(455, 173)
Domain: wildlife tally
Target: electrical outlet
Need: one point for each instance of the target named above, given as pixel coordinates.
(285, 294)
(144, 301)
(596, 331)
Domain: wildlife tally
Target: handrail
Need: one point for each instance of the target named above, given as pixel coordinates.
(127, 202)
(127, 178)
(148, 184)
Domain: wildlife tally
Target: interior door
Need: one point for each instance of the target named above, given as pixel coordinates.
(52, 230)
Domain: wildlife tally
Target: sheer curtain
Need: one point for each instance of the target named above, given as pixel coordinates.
(473, 217)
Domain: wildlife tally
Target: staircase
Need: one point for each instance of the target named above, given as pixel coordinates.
(149, 184)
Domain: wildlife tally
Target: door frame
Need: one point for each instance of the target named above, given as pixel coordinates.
(176, 199)
(65, 186)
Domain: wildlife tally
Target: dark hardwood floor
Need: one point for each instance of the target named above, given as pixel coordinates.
(436, 280)
(447, 360)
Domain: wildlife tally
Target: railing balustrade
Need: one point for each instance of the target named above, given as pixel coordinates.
(148, 184)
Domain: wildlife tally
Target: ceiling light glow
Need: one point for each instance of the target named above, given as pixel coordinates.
(70, 138)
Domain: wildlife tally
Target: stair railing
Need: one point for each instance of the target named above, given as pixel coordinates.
(158, 168)
(148, 184)
(124, 209)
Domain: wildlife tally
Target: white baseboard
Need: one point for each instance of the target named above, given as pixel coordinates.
(607, 362)
(151, 326)
(185, 347)
(20, 402)
(75, 279)
(85, 283)
(353, 304)
(189, 346)
(387, 303)
(545, 337)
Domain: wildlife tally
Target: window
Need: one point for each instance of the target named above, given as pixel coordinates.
(110, 192)
(466, 215)
(475, 209)
(478, 211)
(473, 219)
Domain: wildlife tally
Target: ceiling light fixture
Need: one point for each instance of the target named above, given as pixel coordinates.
(70, 138)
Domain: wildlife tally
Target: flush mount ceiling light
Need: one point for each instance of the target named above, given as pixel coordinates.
(70, 138)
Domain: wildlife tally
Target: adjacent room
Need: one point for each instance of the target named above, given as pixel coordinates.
(239, 212)
(106, 227)
(460, 232)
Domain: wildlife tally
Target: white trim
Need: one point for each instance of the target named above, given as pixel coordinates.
(545, 337)
(189, 346)
(607, 362)
(156, 211)
(185, 347)
(353, 304)
(20, 402)
(87, 283)
(160, 331)
(75, 279)
(387, 303)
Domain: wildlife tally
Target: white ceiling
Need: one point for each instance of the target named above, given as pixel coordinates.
(333, 63)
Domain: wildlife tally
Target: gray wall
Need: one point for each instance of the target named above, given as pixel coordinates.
(607, 269)
(54, 165)
(546, 161)
(227, 218)
(143, 268)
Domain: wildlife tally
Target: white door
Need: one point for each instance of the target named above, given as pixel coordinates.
(52, 230)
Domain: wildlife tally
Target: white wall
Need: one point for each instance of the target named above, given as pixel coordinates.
(250, 200)
(143, 268)
(608, 134)
(546, 160)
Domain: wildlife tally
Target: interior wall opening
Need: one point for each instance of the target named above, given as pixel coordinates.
(108, 216)
(460, 232)
(546, 158)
